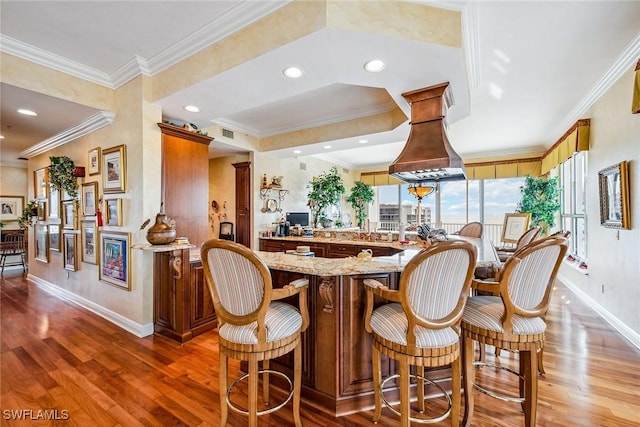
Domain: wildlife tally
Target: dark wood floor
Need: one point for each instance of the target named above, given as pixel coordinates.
(57, 356)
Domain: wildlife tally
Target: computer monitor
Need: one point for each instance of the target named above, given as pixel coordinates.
(295, 218)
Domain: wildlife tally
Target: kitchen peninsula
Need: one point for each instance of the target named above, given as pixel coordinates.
(337, 371)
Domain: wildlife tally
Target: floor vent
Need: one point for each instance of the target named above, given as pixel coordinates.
(227, 133)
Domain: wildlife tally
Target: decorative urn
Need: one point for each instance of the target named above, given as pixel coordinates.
(162, 232)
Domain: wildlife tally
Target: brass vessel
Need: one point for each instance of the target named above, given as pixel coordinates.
(162, 232)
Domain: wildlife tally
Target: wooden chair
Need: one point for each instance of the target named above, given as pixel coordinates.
(513, 320)
(253, 326)
(420, 326)
(12, 246)
(527, 237)
(473, 229)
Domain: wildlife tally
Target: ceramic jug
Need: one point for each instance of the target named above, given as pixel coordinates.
(162, 232)
(365, 253)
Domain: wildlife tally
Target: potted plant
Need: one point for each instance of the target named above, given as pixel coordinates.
(325, 191)
(540, 198)
(62, 175)
(29, 213)
(361, 195)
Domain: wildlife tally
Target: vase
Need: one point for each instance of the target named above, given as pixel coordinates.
(162, 232)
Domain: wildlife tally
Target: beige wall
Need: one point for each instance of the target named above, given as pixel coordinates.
(613, 256)
(13, 182)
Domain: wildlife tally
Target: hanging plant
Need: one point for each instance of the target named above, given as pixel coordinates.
(361, 195)
(540, 198)
(325, 191)
(62, 175)
(29, 214)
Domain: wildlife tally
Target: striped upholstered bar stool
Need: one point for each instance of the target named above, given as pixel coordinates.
(420, 325)
(512, 319)
(253, 325)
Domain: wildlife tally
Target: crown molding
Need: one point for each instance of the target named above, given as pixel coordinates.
(93, 123)
(625, 61)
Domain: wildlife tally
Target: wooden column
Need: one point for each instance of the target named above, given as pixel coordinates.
(243, 203)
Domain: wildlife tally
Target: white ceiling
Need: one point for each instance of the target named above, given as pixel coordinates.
(528, 71)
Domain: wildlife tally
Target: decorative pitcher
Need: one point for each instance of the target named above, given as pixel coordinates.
(162, 232)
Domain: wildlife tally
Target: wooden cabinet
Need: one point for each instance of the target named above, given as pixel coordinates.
(243, 203)
(325, 250)
(379, 250)
(342, 250)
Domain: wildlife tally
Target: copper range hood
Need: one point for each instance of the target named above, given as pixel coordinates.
(427, 156)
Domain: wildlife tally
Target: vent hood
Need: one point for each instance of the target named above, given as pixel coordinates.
(427, 156)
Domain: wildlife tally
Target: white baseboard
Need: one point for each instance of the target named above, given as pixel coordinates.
(632, 336)
(137, 329)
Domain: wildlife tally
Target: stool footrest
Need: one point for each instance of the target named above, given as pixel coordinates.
(266, 411)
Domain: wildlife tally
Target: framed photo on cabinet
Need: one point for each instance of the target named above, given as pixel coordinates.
(114, 165)
(114, 259)
(88, 237)
(94, 161)
(69, 241)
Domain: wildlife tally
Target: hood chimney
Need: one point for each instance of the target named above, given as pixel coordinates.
(427, 156)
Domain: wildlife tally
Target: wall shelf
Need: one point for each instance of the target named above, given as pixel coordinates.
(272, 198)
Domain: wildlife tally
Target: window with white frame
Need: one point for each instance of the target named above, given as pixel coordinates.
(573, 176)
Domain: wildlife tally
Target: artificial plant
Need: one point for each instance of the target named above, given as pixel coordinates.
(540, 198)
(326, 190)
(361, 195)
(62, 175)
(29, 213)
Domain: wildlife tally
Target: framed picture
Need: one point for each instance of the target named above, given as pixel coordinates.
(94, 161)
(88, 237)
(11, 208)
(41, 183)
(42, 242)
(69, 251)
(89, 198)
(515, 224)
(69, 214)
(42, 210)
(54, 204)
(113, 212)
(114, 259)
(114, 161)
(614, 196)
(54, 237)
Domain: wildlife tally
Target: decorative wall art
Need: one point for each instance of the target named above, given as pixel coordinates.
(94, 161)
(11, 208)
(54, 237)
(42, 210)
(88, 238)
(41, 183)
(69, 251)
(42, 243)
(89, 198)
(69, 214)
(114, 166)
(114, 259)
(515, 224)
(614, 196)
(54, 205)
(113, 212)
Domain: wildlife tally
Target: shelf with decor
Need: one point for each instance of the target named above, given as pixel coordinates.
(272, 197)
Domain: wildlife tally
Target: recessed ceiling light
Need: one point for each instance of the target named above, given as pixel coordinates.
(326, 147)
(27, 112)
(374, 66)
(192, 108)
(362, 141)
(297, 152)
(293, 72)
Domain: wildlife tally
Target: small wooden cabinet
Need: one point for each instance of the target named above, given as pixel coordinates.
(325, 250)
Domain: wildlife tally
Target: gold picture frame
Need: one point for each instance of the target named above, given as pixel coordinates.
(89, 198)
(12, 207)
(115, 253)
(114, 165)
(54, 204)
(69, 214)
(54, 237)
(89, 241)
(113, 212)
(41, 242)
(41, 183)
(94, 161)
(614, 196)
(69, 245)
(515, 224)
(42, 210)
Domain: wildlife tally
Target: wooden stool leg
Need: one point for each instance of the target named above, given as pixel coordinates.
(455, 392)
(530, 373)
(468, 376)
(224, 410)
(297, 383)
(420, 386)
(540, 365)
(377, 378)
(253, 390)
(405, 406)
(265, 382)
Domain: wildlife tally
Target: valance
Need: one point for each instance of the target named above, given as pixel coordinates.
(574, 140)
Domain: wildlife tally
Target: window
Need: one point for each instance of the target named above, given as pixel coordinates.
(573, 175)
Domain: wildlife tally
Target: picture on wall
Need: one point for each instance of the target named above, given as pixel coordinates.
(94, 161)
(54, 204)
(41, 183)
(42, 243)
(515, 224)
(11, 208)
(69, 214)
(88, 236)
(54, 237)
(114, 166)
(42, 210)
(614, 196)
(113, 210)
(89, 198)
(69, 251)
(114, 259)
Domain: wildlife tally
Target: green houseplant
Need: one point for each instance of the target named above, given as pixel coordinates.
(540, 198)
(29, 213)
(62, 175)
(361, 195)
(326, 190)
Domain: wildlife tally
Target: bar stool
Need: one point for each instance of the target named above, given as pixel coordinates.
(253, 326)
(420, 326)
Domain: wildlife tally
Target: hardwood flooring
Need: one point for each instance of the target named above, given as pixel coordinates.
(59, 360)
